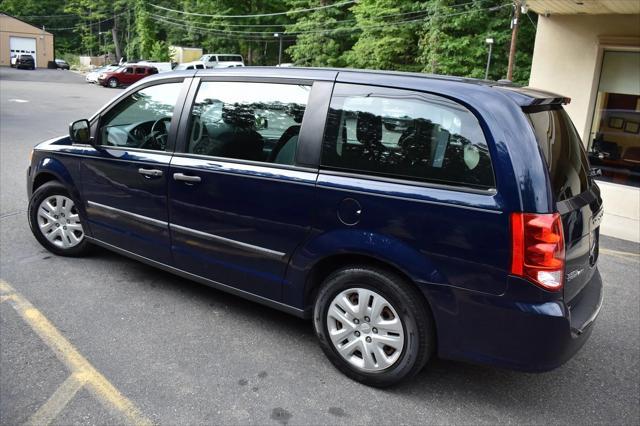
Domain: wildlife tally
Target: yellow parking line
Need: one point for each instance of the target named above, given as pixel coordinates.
(75, 362)
(56, 403)
(626, 254)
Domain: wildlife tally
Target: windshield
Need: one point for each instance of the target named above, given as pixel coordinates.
(563, 152)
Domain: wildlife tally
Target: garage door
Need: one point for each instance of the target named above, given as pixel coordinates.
(25, 45)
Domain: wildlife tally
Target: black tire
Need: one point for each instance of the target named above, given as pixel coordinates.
(113, 83)
(414, 313)
(49, 189)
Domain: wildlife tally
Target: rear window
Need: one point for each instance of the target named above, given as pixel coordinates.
(563, 151)
(406, 135)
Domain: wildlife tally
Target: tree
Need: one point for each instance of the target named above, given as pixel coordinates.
(453, 39)
(388, 39)
(436, 36)
(160, 52)
(324, 38)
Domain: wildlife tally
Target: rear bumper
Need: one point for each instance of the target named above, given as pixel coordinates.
(514, 330)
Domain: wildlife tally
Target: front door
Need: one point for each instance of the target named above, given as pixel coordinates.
(239, 203)
(128, 76)
(124, 182)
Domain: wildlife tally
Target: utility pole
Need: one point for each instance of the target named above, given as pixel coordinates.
(515, 23)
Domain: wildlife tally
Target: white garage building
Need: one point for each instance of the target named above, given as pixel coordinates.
(18, 37)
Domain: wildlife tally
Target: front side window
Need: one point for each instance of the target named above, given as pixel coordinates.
(407, 135)
(248, 121)
(142, 120)
(128, 70)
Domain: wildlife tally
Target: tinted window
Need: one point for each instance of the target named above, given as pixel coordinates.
(563, 151)
(141, 120)
(248, 121)
(140, 70)
(405, 134)
(229, 58)
(129, 70)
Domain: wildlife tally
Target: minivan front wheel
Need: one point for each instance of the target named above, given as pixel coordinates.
(55, 221)
(113, 82)
(373, 326)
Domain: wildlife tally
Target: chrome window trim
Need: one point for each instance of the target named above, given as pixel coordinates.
(293, 175)
(245, 162)
(227, 241)
(407, 181)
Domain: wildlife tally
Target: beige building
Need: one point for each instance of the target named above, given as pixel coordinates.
(589, 51)
(18, 37)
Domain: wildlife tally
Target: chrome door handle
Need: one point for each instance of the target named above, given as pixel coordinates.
(186, 178)
(150, 172)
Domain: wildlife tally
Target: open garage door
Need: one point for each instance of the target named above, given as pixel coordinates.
(24, 45)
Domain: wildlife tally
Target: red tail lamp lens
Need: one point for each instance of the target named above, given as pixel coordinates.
(538, 249)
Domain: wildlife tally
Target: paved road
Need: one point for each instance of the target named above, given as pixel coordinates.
(182, 353)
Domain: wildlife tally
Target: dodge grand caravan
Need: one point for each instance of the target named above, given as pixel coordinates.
(407, 215)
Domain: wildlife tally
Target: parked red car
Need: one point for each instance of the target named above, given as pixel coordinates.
(126, 75)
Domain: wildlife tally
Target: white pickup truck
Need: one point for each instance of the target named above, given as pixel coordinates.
(216, 60)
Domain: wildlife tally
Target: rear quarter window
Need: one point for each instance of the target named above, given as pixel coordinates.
(407, 135)
(563, 152)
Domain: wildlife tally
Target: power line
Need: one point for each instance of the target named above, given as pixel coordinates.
(257, 34)
(416, 12)
(86, 24)
(202, 30)
(310, 9)
(70, 15)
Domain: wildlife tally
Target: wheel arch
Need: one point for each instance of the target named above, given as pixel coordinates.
(42, 178)
(322, 268)
(50, 169)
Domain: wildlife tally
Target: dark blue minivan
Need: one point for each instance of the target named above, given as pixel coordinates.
(408, 215)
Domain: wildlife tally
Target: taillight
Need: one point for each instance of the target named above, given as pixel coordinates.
(538, 249)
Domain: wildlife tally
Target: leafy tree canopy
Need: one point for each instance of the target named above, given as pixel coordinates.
(436, 36)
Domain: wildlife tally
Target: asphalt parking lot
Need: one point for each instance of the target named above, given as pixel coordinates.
(107, 340)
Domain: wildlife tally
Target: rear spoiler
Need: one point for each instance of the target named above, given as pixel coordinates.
(531, 100)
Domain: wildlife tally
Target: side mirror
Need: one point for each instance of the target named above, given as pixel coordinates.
(80, 132)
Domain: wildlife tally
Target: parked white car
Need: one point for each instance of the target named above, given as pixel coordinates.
(194, 65)
(215, 60)
(92, 77)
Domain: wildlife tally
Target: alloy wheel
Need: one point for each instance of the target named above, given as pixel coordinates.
(59, 222)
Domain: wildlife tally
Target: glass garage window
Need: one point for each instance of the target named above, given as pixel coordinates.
(615, 134)
(407, 135)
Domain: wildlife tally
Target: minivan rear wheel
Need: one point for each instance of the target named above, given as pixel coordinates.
(373, 326)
